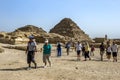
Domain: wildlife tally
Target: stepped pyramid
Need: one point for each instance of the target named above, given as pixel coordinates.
(69, 28)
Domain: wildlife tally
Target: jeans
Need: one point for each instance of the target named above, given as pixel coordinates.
(59, 52)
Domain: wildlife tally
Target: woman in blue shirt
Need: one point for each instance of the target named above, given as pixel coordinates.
(46, 53)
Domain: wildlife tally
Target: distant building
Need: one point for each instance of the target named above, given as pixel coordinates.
(101, 39)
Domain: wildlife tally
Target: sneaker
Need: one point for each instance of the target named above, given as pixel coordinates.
(45, 66)
(29, 68)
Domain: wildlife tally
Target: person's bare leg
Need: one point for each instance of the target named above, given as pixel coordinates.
(49, 61)
(35, 64)
(29, 65)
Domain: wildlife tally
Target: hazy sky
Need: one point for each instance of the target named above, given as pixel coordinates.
(95, 17)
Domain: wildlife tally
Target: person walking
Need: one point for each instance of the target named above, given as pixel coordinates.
(83, 49)
(102, 50)
(87, 51)
(59, 49)
(46, 53)
(114, 51)
(31, 49)
(92, 50)
(78, 49)
(109, 50)
(68, 45)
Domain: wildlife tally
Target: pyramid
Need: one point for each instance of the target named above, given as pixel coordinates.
(30, 28)
(26, 31)
(68, 28)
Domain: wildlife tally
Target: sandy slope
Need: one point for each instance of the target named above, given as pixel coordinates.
(13, 67)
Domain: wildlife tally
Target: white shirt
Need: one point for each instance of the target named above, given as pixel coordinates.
(31, 46)
(109, 49)
(114, 48)
(78, 47)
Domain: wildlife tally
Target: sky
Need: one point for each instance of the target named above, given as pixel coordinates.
(96, 17)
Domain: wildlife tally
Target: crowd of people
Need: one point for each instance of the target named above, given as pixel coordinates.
(82, 49)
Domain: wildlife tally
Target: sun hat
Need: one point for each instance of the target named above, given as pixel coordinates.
(31, 37)
(46, 41)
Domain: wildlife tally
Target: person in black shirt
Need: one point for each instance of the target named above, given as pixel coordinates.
(102, 50)
(59, 49)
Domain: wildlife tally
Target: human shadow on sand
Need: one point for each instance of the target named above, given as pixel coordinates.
(99, 60)
(20, 69)
(14, 69)
(72, 60)
(75, 60)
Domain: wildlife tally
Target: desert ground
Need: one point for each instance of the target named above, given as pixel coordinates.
(13, 67)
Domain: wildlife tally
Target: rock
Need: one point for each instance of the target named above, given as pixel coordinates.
(21, 35)
(52, 37)
(76, 67)
(1, 50)
(2, 34)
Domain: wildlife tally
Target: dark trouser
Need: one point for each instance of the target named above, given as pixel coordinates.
(68, 50)
(101, 54)
(114, 54)
(86, 54)
(59, 52)
(78, 53)
(30, 58)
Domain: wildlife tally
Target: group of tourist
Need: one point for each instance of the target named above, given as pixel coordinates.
(81, 48)
(110, 50)
(88, 51)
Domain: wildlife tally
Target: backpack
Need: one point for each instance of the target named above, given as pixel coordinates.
(59, 45)
(92, 49)
(83, 48)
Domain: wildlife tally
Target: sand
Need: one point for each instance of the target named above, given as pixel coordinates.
(13, 67)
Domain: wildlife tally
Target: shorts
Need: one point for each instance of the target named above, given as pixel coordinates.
(30, 57)
(108, 53)
(114, 54)
(46, 57)
(78, 52)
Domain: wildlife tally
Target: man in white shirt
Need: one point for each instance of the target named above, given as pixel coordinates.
(31, 49)
(114, 51)
(78, 49)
